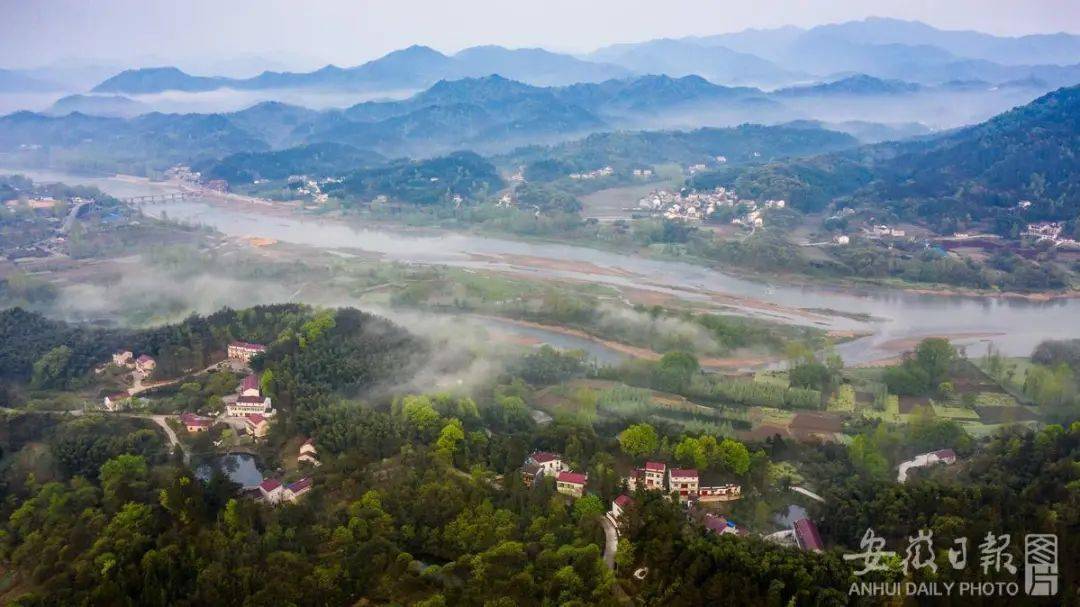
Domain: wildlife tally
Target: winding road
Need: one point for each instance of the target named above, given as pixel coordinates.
(611, 541)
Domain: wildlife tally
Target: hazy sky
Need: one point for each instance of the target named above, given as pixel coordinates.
(314, 32)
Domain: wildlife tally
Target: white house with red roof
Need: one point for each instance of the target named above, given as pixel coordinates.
(941, 456)
(245, 351)
(196, 423)
(247, 405)
(619, 506)
(571, 483)
(719, 493)
(257, 425)
(540, 463)
(684, 481)
(249, 386)
(649, 477)
(249, 400)
(271, 491)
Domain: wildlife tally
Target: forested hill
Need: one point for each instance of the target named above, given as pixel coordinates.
(335, 351)
(982, 171)
(1030, 152)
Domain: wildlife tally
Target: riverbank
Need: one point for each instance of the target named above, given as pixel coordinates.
(850, 285)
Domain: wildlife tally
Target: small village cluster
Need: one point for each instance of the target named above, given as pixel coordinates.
(653, 476)
(594, 174)
(183, 173)
(273, 491)
(306, 186)
(248, 409)
(701, 205)
(1052, 232)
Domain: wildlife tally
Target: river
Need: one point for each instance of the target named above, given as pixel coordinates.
(1014, 325)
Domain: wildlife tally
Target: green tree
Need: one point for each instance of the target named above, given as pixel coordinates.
(587, 507)
(50, 369)
(124, 478)
(639, 440)
(733, 456)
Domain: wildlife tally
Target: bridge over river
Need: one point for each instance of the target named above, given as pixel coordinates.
(157, 198)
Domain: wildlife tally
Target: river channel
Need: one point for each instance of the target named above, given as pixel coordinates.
(1014, 325)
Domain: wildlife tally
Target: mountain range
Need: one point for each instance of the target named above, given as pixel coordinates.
(884, 48)
(410, 68)
(489, 115)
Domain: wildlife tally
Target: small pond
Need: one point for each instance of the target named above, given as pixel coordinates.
(241, 468)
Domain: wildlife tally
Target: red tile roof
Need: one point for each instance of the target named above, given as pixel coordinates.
(576, 478)
(300, 485)
(543, 457)
(945, 453)
(255, 418)
(807, 534)
(623, 501)
(269, 484)
(655, 466)
(191, 419)
(144, 358)
(251, 382)
(683, 472)
(251, 399)
(248, 345)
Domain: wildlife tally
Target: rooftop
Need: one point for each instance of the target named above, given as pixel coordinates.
(655, 466)
(683, 473)
(269, 484)
(543, 457)
(576, 478)
(806, 534)
(251, 382)
(300, 485)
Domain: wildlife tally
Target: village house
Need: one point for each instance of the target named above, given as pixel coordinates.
(117, 402)
(720, 525)
(196, 423)
(245, 351)
(249, 400)
(145, 364)
(249, 386)
(293, 491)
(942, 456)
(719, 493)
(123, 358)
(540, 463)
(619, 506)
(257, 425)
(271, 491)
(571, 483)
(684, 481)
(807, 536)
(247, 405)
(308, 453)
(650, 476)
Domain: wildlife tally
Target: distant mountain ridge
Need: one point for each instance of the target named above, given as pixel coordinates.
(409, 68)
